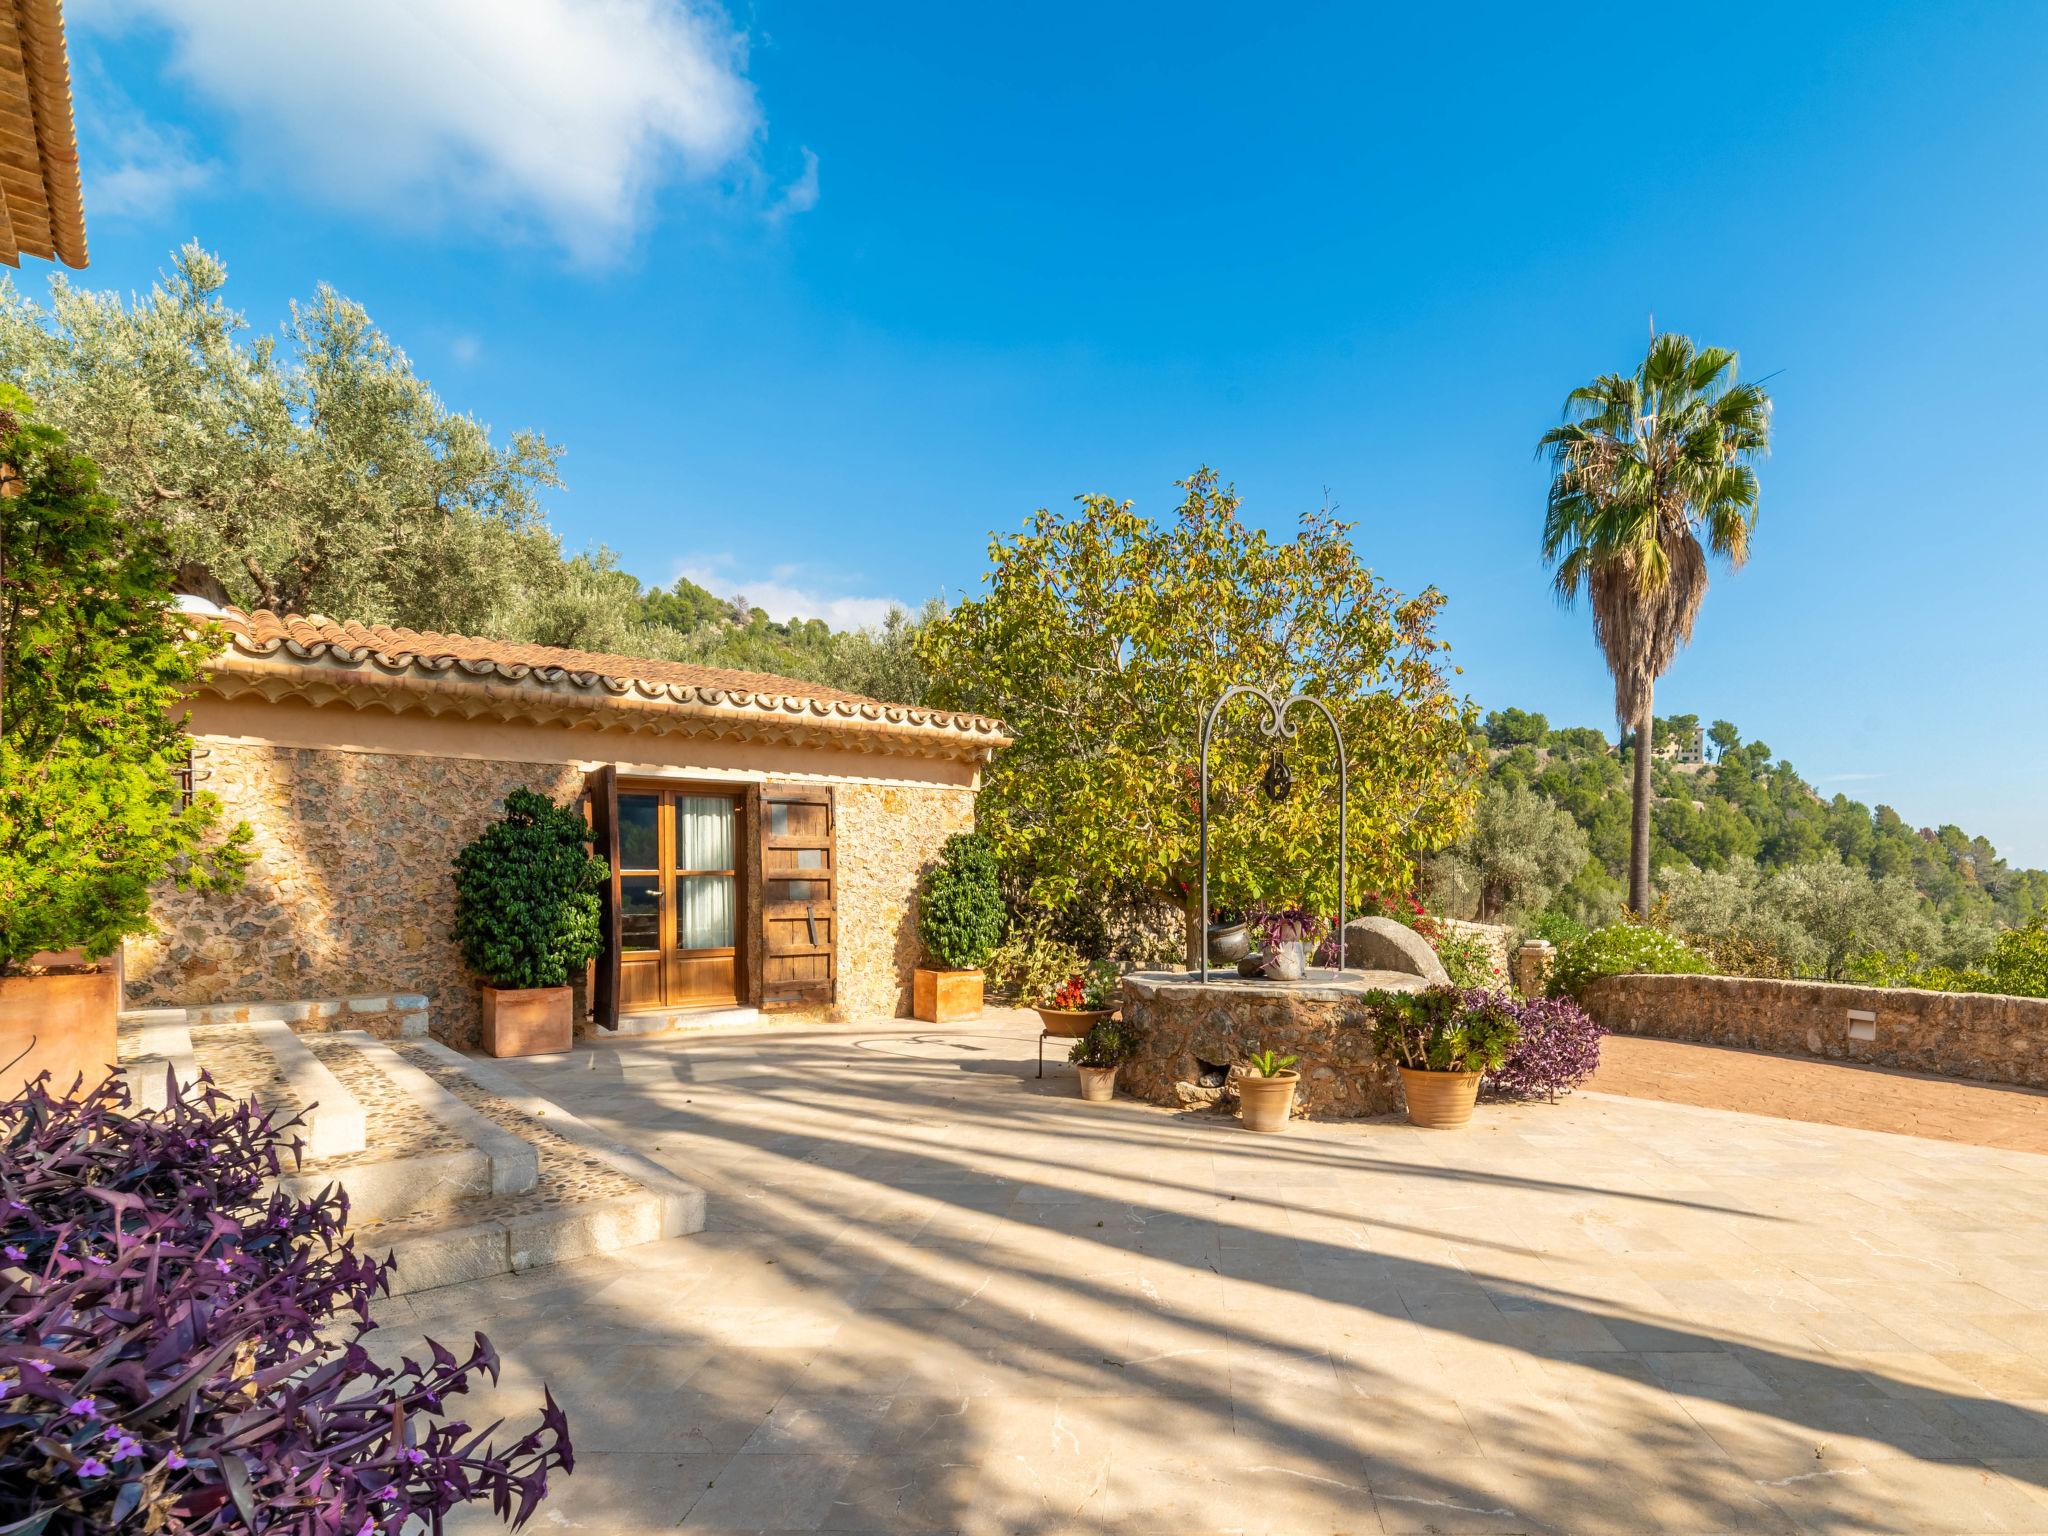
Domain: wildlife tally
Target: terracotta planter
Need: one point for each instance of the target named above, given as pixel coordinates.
(1267, 1101)
(1098, 1084)
(527, 1021)
(1439, 1101)
(941, 997)
(1071, 1023)
(62, 1023)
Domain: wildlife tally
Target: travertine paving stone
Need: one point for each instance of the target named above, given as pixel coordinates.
(936, 1295)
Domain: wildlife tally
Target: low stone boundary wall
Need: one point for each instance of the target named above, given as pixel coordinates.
(1192, 1037)
(1957, 1034)
(386, 1016)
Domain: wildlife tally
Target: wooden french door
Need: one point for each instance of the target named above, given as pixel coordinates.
(679, 899)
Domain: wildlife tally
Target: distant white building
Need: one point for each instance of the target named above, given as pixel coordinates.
(1684, 751)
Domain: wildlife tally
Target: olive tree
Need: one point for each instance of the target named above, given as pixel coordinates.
(310, 470)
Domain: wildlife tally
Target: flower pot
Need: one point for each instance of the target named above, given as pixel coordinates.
(1228, 943)
(1071, 1023)
(1267, 1101)
(1098, 1084)
(527, 1021)
(941, 997)
(1439, 1101)
(64, 1022)
(1287, 961)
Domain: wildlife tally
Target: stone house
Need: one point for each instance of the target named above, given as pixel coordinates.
(766, 836)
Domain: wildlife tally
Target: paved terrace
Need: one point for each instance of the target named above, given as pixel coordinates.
(938, 1296)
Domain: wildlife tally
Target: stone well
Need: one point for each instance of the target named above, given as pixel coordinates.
(1194, 1035)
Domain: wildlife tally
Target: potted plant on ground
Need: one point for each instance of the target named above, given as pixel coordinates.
(1080, 1002)
(526, 917)
(1443, 1040)
(1265, 1091)
(960, 920)
(1097, 1055)
(96, 664)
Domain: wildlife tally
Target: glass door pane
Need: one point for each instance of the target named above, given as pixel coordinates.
(704, 872)
(639, 832)
(639, 912)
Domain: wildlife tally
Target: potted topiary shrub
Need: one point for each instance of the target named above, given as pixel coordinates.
(1097, 1055)
(95, 666)
(1079, 1003)
(960, 920)
(1443, 1040)
(526, 916)
(1265, 1091)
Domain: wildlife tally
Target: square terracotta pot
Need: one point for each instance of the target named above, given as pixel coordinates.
(62, 1023)
(527, 1021)
(941, 997)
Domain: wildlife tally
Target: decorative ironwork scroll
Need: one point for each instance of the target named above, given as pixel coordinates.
(1277, 728)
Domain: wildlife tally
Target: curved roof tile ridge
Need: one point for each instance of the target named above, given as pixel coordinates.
(315, 637)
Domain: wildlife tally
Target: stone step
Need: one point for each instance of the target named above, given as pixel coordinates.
(334, 1120)
(428, 1154)
(671, 1020)
(591, 1195)
(152, 1042)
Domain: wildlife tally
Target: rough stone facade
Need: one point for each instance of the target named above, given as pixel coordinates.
(1185, 1032)
(351, 890)
(1957, 1034)
(887, 837)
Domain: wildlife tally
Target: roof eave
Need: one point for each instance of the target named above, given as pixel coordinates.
(488, 690)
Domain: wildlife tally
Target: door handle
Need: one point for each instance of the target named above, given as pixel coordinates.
(811, 924)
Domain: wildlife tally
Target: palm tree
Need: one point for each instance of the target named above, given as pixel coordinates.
(1645, 467)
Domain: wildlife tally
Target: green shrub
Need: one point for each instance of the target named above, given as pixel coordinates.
(1444, 1029)
(1030, 964)
(2017, 966)
(95, 668)
(1624, 949)
(960, 904)
(526, 907)
(1468, 960)
(1560, 928)
(1107, 1044)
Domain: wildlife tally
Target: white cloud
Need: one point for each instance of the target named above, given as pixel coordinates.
(1849, 778)
(801, 195)
(782, 599)
(565, 114)
(465, 348)
(134, 168)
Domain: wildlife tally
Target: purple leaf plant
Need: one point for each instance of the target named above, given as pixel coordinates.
(181, 1343)
(1558, 1048)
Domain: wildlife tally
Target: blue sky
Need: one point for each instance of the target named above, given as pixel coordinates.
(817, 296)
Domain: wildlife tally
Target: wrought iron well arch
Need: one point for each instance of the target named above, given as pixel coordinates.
(1276, 727)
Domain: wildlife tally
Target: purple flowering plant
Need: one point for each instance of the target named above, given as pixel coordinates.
(180, 1342)
(1558, 1048)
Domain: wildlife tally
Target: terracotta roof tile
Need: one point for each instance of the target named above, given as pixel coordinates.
(380, 651)
(310, 630)
(41, 211)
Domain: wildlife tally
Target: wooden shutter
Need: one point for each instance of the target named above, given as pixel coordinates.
(602, 785)
(799, 887)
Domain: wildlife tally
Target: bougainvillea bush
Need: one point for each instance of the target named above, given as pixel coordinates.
(1558, 1048)
(181, 1351)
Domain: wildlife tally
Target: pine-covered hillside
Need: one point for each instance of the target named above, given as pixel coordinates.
(1724, 827)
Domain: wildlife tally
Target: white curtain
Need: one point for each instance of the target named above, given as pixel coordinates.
(704, 902)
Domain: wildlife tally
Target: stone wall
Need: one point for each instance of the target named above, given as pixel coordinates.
(887, 837)
(1958, 1034)
(1493, 935)
(351, 891)
(1183, 1028)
